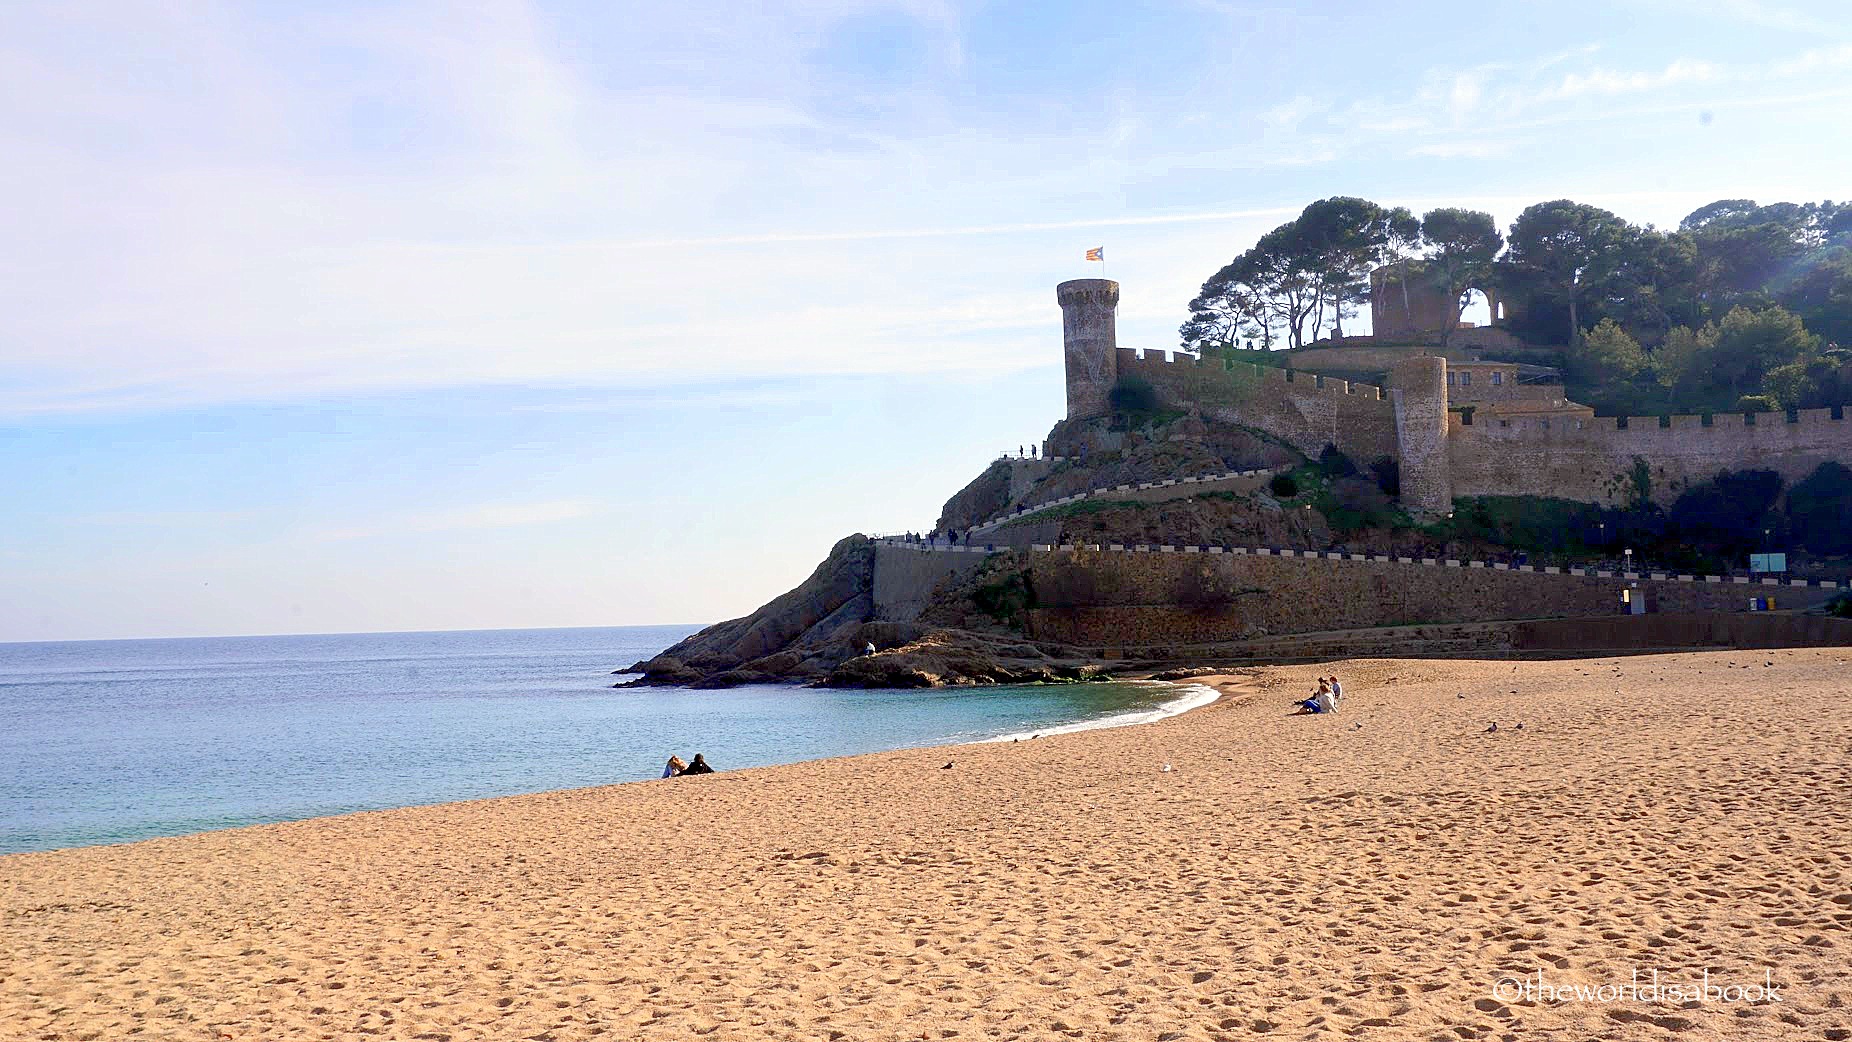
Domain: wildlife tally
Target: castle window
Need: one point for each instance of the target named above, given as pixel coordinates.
(1498, 378)
(1450, 379)
(1466, 379)
(1504, 423)
(1546, 425)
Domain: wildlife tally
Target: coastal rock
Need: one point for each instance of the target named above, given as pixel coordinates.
(800, 634)
(953, 658)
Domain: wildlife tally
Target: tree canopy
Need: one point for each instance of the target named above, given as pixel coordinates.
(1741, 302)
(1310, 269)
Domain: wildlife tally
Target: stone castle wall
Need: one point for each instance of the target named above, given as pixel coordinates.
(1129, 599)
(1592, 459)
(1307, 412)
(906, 580)
(1403, 304)
(1419, 396)
(1568, 454)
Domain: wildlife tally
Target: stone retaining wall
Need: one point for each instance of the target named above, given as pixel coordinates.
(1152, 595)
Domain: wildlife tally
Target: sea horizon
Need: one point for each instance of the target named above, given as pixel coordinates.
(690, 626)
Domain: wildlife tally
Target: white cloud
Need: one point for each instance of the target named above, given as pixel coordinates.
(1683, 72)
(202, 208)
(1820, 59)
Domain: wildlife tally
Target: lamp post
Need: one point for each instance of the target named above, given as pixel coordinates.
(1629, 559)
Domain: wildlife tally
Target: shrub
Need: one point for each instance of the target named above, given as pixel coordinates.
(1840, 606)
(1132, 394)
(1388, 475)
(1283, 486)
(1334, 463)
(1729, 512)
(1755, 403)
(1819, 508)
(1006, 598)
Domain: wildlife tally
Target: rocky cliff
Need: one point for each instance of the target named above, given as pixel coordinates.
(801, 635)
(818, 633)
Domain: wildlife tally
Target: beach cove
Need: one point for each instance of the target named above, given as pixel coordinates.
(1389, 872)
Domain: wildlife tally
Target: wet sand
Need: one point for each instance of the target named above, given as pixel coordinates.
(1373, 874)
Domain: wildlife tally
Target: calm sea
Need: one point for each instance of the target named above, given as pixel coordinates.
(109, 741)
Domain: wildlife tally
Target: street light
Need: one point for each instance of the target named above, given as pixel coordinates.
(1629, 554)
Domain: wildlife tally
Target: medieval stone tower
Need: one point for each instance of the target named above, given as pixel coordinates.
(1418, 389)
(1089, 334)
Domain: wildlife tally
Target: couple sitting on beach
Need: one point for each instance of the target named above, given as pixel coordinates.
(1325, 700)
(676, 768)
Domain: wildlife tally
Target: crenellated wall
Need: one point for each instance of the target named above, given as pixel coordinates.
(1524, 440)
(1307, 412)
(1592, 459)
(1185, 595)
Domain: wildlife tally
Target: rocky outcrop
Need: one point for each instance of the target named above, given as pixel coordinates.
(801, 635)
(819, 633)
(953, 658)
(985, 497)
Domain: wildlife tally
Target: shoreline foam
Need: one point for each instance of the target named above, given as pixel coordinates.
(1191, 695)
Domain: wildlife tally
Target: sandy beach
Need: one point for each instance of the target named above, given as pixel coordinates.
(1374, 874)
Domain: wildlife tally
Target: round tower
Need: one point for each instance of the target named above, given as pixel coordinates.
(1418, 387)
(1090, 341)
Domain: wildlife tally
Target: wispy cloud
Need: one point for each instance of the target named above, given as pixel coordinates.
(320, 203)
(1683, 72)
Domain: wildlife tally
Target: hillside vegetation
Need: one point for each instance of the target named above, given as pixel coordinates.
(1742, 306)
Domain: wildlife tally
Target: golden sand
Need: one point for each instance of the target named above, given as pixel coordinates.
(1372, 874)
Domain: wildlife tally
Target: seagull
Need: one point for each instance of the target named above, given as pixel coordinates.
(947, 767)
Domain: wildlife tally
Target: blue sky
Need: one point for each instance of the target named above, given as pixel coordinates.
(404, 316)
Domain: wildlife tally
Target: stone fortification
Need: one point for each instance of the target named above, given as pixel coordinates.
(1089, 333)
(1524, 441)
(1418, 388)
(905, 582)
(1406, 305)
(1189, 595)
(1305, 411)
(1600, 459)
(1144, 595)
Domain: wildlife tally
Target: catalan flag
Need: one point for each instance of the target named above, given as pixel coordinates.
(1097, 253)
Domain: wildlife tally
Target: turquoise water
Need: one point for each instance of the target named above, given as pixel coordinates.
(109, 741)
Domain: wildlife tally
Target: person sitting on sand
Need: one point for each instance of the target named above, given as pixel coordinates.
(697, 766)
(1320, 702)
(674, 767)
